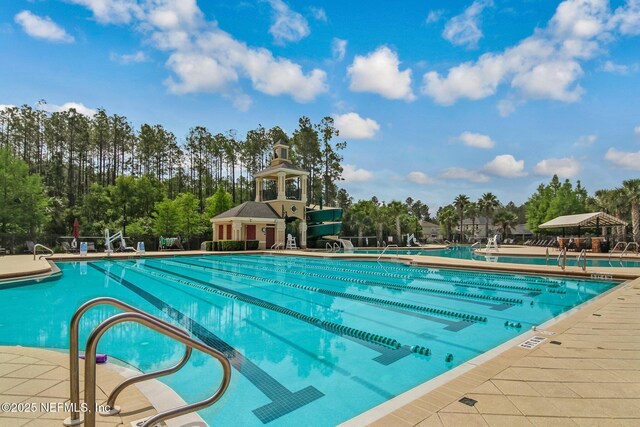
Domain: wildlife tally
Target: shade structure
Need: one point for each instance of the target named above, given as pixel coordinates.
(593, 219)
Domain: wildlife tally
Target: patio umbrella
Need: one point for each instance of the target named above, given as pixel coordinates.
(75, 233)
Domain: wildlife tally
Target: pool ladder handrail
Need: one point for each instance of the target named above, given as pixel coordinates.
(583, 257)
(562, 259)
(131, 314)
(625, 251)
(328, 247)
(35, 249)
(277, 245)
(621, 244)
(385, 249)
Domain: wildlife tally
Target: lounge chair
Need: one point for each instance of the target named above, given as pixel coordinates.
(30, 246)
(170, 243)
(91, 247)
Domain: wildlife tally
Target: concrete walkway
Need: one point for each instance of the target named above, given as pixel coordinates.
(34, 381)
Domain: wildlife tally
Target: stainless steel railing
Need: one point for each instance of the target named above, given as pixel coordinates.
(385, 249)
(621, 244)
(35, 249)
(626, 248)
(583, 257)
(562, 258)
(131, 314)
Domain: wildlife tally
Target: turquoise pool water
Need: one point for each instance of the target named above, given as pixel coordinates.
(467, 252)
(312, 341)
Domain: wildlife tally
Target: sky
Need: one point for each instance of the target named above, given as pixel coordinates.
(434, 98)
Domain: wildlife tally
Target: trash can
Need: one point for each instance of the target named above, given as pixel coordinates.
(83, 248)
(140, 248)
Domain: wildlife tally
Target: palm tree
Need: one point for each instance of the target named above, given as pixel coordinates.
(395, 210)
(472, 211)
(360, 217)
(507, 220)
(631, 191)
(488, 203)
(447, 218)
(460, 202)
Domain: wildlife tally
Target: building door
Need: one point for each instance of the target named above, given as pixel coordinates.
(251, 232)
(229, 232)
(271, 237)
(220, 235)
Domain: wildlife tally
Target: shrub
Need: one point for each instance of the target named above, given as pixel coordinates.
(252, 245)
(232, 245)
(208, 245)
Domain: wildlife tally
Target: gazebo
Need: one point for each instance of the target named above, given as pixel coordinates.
(585, 220)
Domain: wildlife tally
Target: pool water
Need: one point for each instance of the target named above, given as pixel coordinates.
(467, 252)
(312, 341)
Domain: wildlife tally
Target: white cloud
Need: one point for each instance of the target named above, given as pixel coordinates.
(351, 174)
(506, 166)
(42, 27)
(610, 67)
(352, 126)
(420, 178)
(464, 174)
(567, 167)
(111, 11)
(585, 141)
(623, 159)
(464, 29)
(434, 16)
(338, 48)
(319, 14)
(545, 65)
(627, 18)
(78, 106)
(6, 106)
(506, 107)
(129, 58)
(477, 140)
(379, 73)
(288, 26)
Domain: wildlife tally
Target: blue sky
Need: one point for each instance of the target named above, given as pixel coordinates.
(435, 98)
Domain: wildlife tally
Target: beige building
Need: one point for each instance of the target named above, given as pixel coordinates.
(281, 196)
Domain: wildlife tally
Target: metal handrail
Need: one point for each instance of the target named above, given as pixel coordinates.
(167, 330)
(475, 244)
(336, 247)
(562, 259)
(546, 258)
(74, 362)
(328, 247)
(35, 249)
(583, 257)
(626, 248)
(385, 249)
(613, 250)
(276, 245)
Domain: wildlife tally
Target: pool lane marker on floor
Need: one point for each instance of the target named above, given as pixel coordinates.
(283, 401)
(451, 325)
(471, 298)
(380, 301)
(335, 328)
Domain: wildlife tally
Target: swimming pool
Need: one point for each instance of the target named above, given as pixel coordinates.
(312, 341)
(467, 252)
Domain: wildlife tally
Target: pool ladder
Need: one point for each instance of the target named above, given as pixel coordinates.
(131, 314)
(35, 249)
(624, 251)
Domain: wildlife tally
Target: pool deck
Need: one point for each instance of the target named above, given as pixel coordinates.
(33, 378)
(586, 372)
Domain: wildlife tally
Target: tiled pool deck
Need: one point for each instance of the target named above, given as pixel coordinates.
(586, 374)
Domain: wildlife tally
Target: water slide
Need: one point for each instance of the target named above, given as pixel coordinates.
(324, 222)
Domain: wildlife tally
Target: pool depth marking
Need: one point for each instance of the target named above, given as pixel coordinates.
(283, 400)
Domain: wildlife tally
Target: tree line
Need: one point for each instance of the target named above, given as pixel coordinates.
(103, 170)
